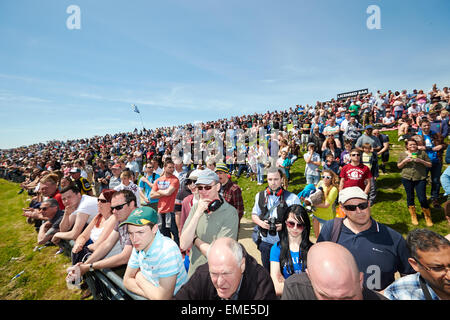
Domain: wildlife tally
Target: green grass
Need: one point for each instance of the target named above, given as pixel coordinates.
(44, 274)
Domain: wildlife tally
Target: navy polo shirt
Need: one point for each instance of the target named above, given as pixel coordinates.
(379, 252)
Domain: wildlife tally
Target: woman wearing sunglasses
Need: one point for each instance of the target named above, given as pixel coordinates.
(325, 211)
(413, 163)
(288, 256)
(97, 231)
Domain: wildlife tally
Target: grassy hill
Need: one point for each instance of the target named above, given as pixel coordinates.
(44, 273)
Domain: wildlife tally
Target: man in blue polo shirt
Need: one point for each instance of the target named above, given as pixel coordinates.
(155, 269)
(379, 250)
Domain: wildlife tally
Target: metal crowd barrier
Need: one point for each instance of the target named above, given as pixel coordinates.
(104, 284)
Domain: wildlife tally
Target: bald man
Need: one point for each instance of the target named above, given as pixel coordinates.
(230, 274)
(332, 274)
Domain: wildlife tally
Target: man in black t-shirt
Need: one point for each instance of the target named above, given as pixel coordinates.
(384, 152)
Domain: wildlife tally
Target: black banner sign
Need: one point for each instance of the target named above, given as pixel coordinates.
(352, 94)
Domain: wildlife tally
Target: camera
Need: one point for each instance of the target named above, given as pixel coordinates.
(272, 227)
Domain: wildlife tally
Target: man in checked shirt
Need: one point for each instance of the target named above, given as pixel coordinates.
(229, 190)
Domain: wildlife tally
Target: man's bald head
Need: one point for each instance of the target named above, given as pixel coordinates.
(333, 272)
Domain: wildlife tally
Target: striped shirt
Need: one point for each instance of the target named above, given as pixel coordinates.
(162, 260)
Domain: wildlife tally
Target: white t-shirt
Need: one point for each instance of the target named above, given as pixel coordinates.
(389, 120)
(88, 205)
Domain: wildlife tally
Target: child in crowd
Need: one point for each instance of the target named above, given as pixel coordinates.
(370, 159)
(331, 164)
(127, 183)
(345, 155)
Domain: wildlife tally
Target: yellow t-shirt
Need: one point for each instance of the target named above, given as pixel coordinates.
(366, 159)
(327, 213)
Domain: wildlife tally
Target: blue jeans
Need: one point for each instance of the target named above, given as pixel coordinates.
(166, 231)
(264, 248)
(419, 186)
(260, 172)
(312, 179)
(435, 171)
(242, 167)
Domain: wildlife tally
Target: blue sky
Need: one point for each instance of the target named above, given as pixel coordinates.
(182, 61)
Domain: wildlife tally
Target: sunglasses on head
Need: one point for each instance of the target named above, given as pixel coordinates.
(200, 188)
(292, 224)
(119, 207)
(352, 207)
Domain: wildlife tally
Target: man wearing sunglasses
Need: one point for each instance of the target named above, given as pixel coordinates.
(355, 174)
(122, 204)
(379, 251)
(207, 222)
(50, 211)
(431, 259)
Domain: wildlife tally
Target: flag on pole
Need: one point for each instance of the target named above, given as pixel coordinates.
(136, 108)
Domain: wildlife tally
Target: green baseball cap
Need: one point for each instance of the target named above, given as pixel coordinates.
(141, 217)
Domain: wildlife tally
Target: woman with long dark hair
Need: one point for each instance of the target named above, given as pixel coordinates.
(288, 256)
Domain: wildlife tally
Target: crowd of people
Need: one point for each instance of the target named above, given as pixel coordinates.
(167, 219)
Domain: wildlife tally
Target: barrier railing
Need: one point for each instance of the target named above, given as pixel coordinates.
(104, 284)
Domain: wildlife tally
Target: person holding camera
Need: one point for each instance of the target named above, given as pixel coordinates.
(270, 205)
(210, 218)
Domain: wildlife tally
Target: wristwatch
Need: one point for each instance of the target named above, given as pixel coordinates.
(91, 267)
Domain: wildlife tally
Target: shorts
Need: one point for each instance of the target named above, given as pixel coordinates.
(385, 156)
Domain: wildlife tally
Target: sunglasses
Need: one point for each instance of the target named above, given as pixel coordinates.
(44, 208)
(119, 207)
(292, 224)
(326, 177)
(207, 188)
(352, 207)
(102, 200)
(355, 155)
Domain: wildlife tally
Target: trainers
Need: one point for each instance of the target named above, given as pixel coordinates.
(59, 251)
